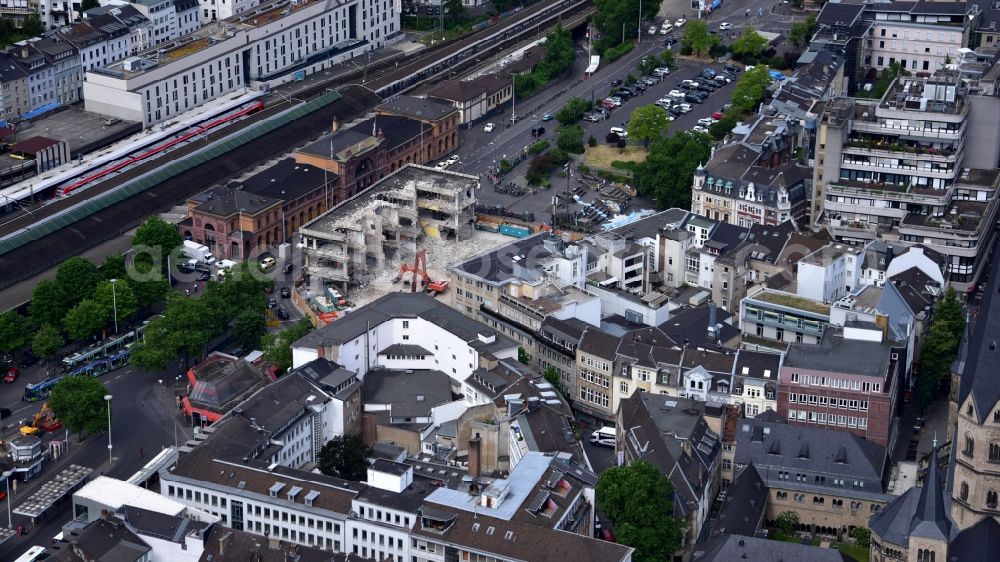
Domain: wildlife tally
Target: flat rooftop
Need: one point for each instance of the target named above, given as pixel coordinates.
(789, 300)
(937, 94)
(81, 130)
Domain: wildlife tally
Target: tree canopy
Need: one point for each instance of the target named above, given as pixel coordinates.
(79, 403)
(46, 342)
(77, 276)
(559, 57)
(13, 331)
(344, 457)
(157, 233)
(940, 347)
(85, 320)
(570, 138)
(697, 39)
(614, 16)
(117, 296)
(573, 111)
(638, 499)
(666, 173)
(749, 46)
(48, 303)
(277, 347)
(801, 32)
(648, 123)
(750, 89)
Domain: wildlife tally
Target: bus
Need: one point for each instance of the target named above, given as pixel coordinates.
(34, 554)
(112, 353)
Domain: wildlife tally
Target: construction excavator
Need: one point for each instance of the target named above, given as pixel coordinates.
(43, 420)
(418, 269)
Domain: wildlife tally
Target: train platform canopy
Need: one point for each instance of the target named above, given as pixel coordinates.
(33, 145)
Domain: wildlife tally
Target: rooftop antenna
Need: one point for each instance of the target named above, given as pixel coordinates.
(935, 439)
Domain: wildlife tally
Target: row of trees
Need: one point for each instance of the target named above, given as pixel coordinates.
(237, 303)
(617, 23)
(559, 57)
(31, 26)
(939, 348)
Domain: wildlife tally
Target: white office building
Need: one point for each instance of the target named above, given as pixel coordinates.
(274, 43)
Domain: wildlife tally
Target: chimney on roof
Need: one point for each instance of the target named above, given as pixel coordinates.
(222, 544)
(334, 125)
(475, 460)
(711, 320)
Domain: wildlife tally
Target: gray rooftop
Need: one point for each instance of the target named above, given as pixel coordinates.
(521, 259)
(407, 305)
(410, 393)
(823, 455)
(837, 354)
(981, 376)
(420, 108)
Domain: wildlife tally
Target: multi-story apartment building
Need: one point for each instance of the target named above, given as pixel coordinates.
(14, 98)
(899, 165)
(920, 37)
(755, 180)
(833, 480)
(975, 446)
(825, 384)
(595, 362)
(677, 436)
(262, 48)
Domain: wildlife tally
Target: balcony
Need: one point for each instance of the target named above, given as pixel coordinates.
(890, 191)
(870, 166)
(877, 127)
(523, 308)
(328, 252)
(895, 149)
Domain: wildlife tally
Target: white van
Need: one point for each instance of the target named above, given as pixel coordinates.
(667, 28)
(267, 263)
(604, 436)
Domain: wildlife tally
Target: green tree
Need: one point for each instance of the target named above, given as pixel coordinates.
(85, 320)
(936, 357)
(722, 127)
(949, 312)
(570, 138)
(117, 296)
(48, 303)
(648, 123)
(697, 39)
(148, 293)
(344, 457)
(277, 347)
(618, 20)
(801, 32)
(749, 46)
(184, 329)
(552, 377)
(157, 233)
(32, 26)
(13, 331)
(638, 499)
(79, 403)
(249, 328)
(113, 267)
(522, 356)
(78, 277)
(648, 63)
(665, 174)
(456, 10)
(863, 535)
(573, 111)
(788, 522)
(667, 58)
(46, 342)
(750, 89)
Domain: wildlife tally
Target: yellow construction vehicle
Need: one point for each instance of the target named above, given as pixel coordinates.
(43, 420)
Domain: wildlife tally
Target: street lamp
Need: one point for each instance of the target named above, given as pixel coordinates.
(114, 302)
(6, 479)
(107, 398)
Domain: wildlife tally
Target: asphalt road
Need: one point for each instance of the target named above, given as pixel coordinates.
(143, 419)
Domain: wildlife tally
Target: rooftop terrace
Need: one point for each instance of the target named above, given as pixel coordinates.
(789, 300)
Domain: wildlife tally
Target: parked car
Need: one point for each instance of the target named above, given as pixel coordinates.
(652, 30)
(667, 28)
(591, 118)
(707, 87)
(28, 360)
(488, 128)
(706, 121)
(722, 79)
(661, 72)
(675, 111)
(680, 22)
(691, 98)
(442, 165)
(620, 132)
(676, 94)
(547, 117)
(282, 314)
(699, 129)
(271, 303)
(725, 26)
(287, 269)
(11, 375)
(776, 75)
(616, 83)
(709, 73)
(286, 293)
(688, 84)
(730, 67)
(717, 115)
(684, 107)
(669, 42)
(453, 159)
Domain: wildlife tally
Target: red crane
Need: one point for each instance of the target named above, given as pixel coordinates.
(418, 268)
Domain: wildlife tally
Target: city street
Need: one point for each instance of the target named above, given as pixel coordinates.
(144, 420)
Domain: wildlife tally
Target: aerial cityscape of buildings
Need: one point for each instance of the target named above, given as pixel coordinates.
(363, 280)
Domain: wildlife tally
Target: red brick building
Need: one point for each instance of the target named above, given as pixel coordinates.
(850, 381)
